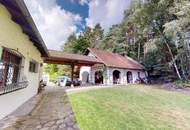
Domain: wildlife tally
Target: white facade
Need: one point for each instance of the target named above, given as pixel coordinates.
(108, 76)
(123, 75)
(12, 37)
(85, 74)
(107, 73)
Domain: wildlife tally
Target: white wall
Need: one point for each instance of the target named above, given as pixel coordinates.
(123, 75)
(108, 77)
(108, 80)
(85, 69)
(91, 71)
(11, 36)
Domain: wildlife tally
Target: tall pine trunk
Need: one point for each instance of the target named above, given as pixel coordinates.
(171, 54)
(173, 59)
(139, 51)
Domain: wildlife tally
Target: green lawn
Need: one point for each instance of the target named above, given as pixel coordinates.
(134, 107)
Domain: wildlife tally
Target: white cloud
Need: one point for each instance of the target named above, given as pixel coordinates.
(82, 2)
(54, 23)
(106, 12)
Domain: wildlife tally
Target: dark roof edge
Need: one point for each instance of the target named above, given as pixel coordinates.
(21, 8)
(126, 68)
(28, 17)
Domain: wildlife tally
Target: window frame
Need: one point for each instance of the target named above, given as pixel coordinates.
(11, 66)
(34, 68)
(12, 63)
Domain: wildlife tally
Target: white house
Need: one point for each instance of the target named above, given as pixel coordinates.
(21, 49)
(113, 69)
(21, 52)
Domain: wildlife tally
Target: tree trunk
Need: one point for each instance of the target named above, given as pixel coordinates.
(171, 54)
(139, 49)
(183, 67)
(173, 59)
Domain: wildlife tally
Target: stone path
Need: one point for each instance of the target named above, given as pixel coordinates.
(52, 113)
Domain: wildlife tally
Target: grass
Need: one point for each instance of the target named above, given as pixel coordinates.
(134, 107)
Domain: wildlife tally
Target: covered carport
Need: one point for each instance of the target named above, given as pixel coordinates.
(63, 58)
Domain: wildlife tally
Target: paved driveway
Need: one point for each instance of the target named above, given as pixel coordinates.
(53, 112)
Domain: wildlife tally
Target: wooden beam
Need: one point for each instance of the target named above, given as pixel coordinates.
(63, 62)
(68, 60)
(72, 73)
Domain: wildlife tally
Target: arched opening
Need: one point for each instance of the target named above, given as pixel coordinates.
(85, 77)
(129, 77)
(99, 77)
(116, 77)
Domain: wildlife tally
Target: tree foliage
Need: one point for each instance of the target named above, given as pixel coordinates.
(154, 32)
(90, 37)
(55, 70)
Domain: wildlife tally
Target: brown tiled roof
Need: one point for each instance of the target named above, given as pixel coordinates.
(115, 60)
(69, 58)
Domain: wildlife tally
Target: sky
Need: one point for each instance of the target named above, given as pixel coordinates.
(56, 20)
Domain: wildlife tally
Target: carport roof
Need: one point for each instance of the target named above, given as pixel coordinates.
(58, 57)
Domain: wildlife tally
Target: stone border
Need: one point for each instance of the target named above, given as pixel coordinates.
(81, 89)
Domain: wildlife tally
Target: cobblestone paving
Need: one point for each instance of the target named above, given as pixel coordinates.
(52, 113)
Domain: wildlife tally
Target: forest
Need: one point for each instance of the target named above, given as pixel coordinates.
(156, 33)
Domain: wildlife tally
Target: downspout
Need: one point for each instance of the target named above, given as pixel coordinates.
(1, 51)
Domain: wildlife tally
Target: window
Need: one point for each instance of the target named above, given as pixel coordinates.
(33, 66)
(10, 67)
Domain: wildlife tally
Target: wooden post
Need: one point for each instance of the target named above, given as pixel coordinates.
(72, 74)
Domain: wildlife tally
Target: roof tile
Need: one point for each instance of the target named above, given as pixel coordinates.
(115, 60)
